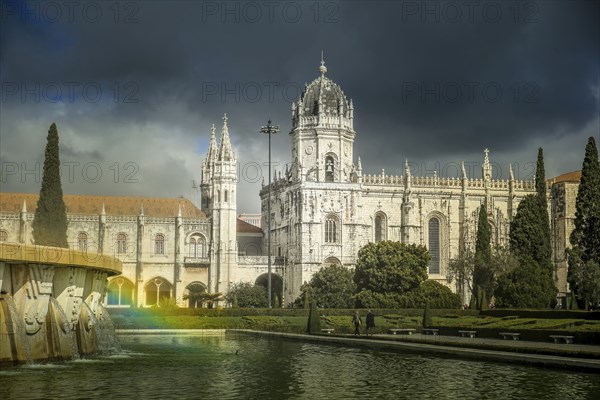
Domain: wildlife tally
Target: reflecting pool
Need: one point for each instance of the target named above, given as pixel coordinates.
(227, 367)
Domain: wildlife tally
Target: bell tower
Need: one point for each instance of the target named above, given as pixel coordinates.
(322, 132)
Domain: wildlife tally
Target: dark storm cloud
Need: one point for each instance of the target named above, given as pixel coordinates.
(423, 78)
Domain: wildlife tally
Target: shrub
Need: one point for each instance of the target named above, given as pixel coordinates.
(248, 295)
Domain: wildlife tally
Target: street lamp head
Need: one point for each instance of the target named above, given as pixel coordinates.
(269, 129)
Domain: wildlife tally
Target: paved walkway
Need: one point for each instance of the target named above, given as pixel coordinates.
(583, 350)
(482, 349)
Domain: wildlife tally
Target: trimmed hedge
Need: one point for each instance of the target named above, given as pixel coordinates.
(542, 314)
(280, 312)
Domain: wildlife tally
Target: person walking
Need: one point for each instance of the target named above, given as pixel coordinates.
(357, 321)
(370, 323)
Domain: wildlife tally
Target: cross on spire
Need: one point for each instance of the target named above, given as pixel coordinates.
(322, 68)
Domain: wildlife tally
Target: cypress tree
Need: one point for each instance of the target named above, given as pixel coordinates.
(50, 219)
(544, 221)
(585, 237)
(314, 321)
(540, 177)
(531, 283)
(427, 321)
(483, 276)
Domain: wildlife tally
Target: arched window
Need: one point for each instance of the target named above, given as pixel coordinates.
(3, 236)
(225, 197)
(121, 243)
(159, 244)
(157, 291)
(380, 227)
(331, 235)
(82, 241)
(434, 245)
(196, 247)
(329, 169)
(120, 293)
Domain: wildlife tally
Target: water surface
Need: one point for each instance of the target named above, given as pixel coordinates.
(219, 367)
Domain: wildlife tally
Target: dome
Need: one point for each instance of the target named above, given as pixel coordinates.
(323, 92)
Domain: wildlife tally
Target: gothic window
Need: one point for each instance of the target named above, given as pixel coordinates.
(380, 227)
(331, 234)
(329, 169)
(225, 197)
(3, 236)
(120, 293)
(192, 252)
(121, 243)
(82, 241)
(159, 244)
(434, 245)
(196, 247)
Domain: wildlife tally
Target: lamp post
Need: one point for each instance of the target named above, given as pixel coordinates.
(269, 130)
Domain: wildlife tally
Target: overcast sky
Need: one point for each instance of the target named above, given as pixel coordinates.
(134, 86)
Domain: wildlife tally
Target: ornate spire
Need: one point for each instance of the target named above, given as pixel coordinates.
(179, 211)
(212, 146)
(24, 208)
(486, 168)
(464, 171)
(322, 68)
(142, 209)
(406, 168)
(511, 175)
(103, 211)
(359, 168)
(225, 152)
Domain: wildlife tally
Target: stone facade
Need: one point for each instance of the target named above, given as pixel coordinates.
(324, 208)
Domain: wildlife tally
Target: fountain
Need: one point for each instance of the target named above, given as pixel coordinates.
(50, 303)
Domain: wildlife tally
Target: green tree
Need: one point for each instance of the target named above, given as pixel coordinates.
(529, 243)
(427, 321)
(462, 268)
(331, 287)
(483, 276)
(544, 222)
(248, 295)
(50, 219)
(527, 233)
(585, 238)
(527, 286)
(390, 267)
(540, 177)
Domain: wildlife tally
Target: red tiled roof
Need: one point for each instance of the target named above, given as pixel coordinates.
(244, 227)
(574, 176)
(113, 205)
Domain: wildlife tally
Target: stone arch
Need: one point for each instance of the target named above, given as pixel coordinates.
(331, 260)
(331, 167)
(192, 291)
(119, 292)
(276, 285)
(157, 290)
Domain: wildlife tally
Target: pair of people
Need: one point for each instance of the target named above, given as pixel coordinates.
(357, 321)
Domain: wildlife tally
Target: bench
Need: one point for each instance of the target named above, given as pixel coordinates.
(560, 338)
(328, 331)
(427, 331)
(513, 335)
(408, 331)
(470, 334)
